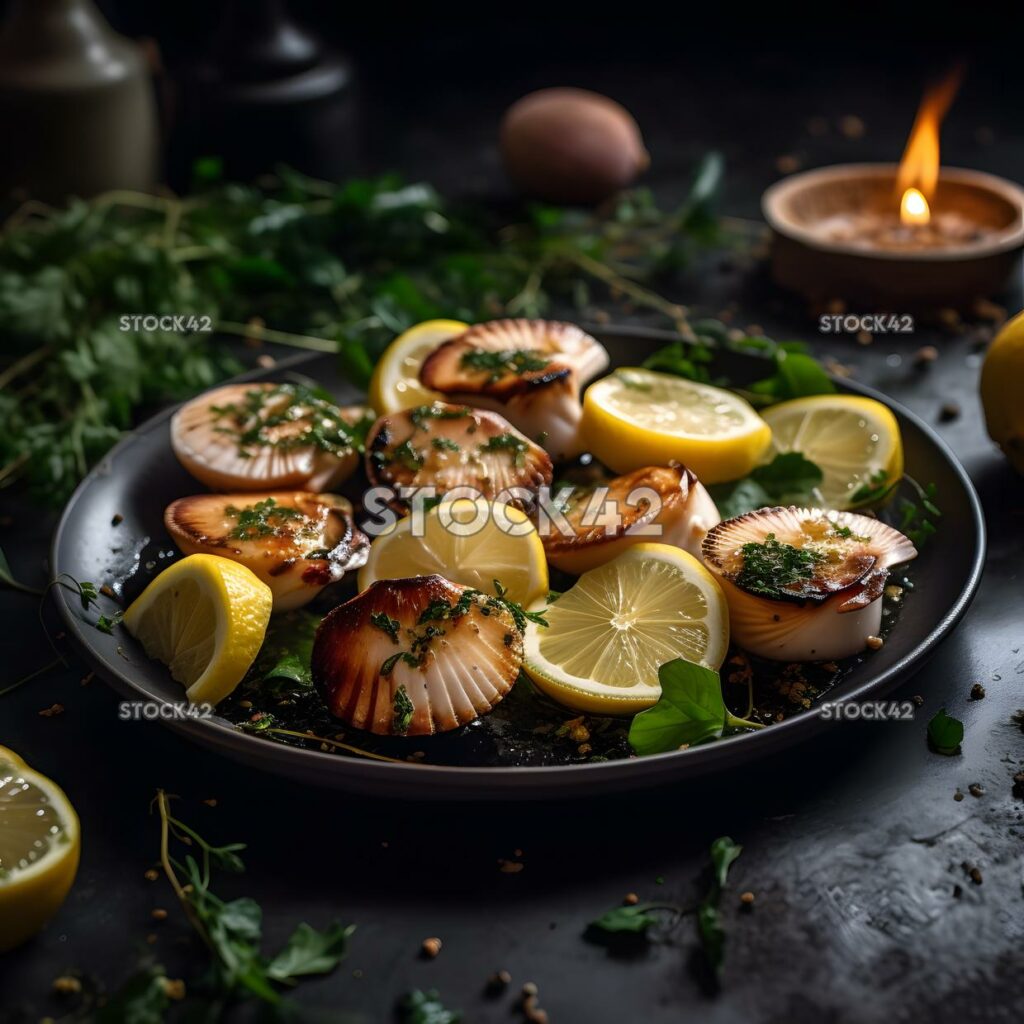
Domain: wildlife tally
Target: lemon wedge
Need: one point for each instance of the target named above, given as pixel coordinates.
(395, 384)
(608, 635)
(635, 418)
(469, 541)
(205, 618)
(39, 848)
(854, 441)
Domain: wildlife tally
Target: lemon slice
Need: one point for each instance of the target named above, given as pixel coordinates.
(395, 384)
(635, 418)
(469, 541)
(609, 634)
(205, 618)
(853, 441)
(39, 847)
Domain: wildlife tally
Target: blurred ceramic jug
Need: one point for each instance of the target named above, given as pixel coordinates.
(77, 110)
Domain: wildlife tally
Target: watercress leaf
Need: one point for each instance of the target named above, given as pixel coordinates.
(802, 375)
(945, 733)
(733, 499)
(634, 920)
(309, 951)
(712, 936)
(426, 1008)
(689, 711)
(142, 999)
(788, 474)
(723, 852)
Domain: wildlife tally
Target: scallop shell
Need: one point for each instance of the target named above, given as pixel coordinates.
(208, 438)
(665, 504)
(314, 540)
(543, 401)
(445, 447)
(378, 668)
(826, 617)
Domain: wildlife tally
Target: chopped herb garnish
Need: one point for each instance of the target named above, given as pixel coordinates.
(386, 624)
(771, 566)
(422, 413)
(403, 710)
(389, 663)
(507, 442)
(520, 616)
(445, 444)
(253, 422)
(876, 488)
(264, 519)
(497, 364)
(406, 455)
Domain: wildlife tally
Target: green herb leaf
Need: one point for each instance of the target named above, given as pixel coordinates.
(796, 375)
(631, 920)
(945, 734)
(771, 566)
(309, 951)
(386, 624)
(712, 936)
(789, 479)
(426, 1008)
(689, 711)
(142, 999)
(723, 852)
(402, 711)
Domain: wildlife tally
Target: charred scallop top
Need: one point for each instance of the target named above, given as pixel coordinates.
(502, 358)
(806, 554)
(448, 446)
(416, 656)
(292, 530)
(640, 498)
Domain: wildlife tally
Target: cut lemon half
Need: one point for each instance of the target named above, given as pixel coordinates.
(39, 847)
(608, 635)
(854, 441)
(395, 384)
(469, 541)
(635, 418)
(205, 618)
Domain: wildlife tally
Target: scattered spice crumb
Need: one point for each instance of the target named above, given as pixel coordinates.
(852, 127)
(510, 867)
(958, 795)
(957, 892)
(66, 985)
(151, 875)
(925, 355)
(529, 989)
(865, 338)
(975, 874)
(918, 700)
(497, 983)
(631, 899)
(747, 898)
(174, 988)
(431, 947)
(158, 914)
(975, 789)
(211, 801)
(787, 163)
(977, 692)
(267, 362)
(949, 411)
(874, 642)
(117, 520)
(108, 591)
(53, 709)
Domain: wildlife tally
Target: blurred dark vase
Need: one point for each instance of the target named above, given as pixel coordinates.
(267, 93)
(77, 110)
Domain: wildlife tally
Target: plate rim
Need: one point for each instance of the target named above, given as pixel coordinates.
(526, 781)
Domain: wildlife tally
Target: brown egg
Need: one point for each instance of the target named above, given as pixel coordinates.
(571, 145)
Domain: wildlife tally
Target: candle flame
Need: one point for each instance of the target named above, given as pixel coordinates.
(919, 168)
(914, 208)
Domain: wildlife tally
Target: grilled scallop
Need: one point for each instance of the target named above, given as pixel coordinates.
(530, 371)
(295, 541)
(444, 447)
(416, 656)
(804, 584)
(666, 504)
(258, 437)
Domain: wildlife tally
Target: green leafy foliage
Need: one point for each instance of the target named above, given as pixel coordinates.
(945, 733)
(690, 711)
(771, 566)
(710, 929)
(426, 1008)
(340, 267)
(789, 479)
(142, 999)
(625, 920)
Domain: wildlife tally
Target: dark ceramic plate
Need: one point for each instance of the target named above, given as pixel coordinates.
(141, 476)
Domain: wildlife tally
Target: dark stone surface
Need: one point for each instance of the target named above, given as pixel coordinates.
(854, 845)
